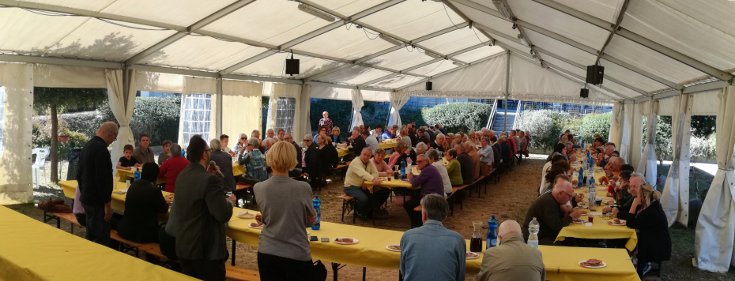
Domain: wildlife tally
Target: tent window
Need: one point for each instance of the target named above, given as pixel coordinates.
(196, 116)
(285, 112)
(2, 120)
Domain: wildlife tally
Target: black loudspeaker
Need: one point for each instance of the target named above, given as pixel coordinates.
(292, 66)
(428, 85)
(595, 74)
(584, 93)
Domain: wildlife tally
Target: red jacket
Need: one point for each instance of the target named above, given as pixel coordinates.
(171, 169)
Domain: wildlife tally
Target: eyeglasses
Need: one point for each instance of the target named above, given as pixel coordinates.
(307, 140)
(243, 138)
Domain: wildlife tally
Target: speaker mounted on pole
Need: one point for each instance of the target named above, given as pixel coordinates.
(429, 85)
(292, 65)
(595, 74)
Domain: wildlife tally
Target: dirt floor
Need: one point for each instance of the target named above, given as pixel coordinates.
(508, 198)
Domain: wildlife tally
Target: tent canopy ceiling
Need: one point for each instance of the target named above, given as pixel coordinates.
(391, 45)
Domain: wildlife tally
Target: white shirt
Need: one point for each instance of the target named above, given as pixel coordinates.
(487, 156)
(445, 176)
(544, 171)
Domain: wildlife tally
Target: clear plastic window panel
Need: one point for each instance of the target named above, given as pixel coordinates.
(196, 116)
(286, 110)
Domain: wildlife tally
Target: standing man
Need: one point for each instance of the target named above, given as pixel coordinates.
(200, 216)
(95, 183)
(143, 152)
(512, 259)
(433, 252)
(325, 122)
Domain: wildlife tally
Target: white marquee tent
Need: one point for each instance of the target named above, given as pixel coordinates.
(661, 57)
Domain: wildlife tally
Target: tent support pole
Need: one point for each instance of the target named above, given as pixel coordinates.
(220, 97)
(507, 91)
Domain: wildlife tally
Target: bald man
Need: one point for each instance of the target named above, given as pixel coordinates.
(95, 183)
(552, 211)
(512, 259)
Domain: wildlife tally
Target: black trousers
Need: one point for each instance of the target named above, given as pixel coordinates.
(98, 230)
(204, 269)
(275, 268)
(413, 215)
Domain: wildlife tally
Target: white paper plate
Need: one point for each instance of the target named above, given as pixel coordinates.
(592, 267)
(472, 255)
(121, 191)
(354, 241)
(393, 247)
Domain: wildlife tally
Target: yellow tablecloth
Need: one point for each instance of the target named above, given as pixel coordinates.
(342, 152)
(125, 174)
(32, 250)
(388, 144)
(393, 183)
(562, 263)
(599, 229)
(118, 199)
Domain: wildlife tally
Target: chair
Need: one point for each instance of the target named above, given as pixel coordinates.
(38, 163)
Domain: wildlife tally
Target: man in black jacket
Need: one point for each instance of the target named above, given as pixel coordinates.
(552, 211)
(143, 204)
(465, 162)
(200, 215)
(95, 183)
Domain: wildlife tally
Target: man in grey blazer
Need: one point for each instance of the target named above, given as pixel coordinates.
(200, 216)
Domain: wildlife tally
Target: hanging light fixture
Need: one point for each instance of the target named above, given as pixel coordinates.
(315, 12)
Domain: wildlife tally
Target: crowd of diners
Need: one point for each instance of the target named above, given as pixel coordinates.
(195, 232)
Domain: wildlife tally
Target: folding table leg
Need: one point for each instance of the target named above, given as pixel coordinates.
(234, 251)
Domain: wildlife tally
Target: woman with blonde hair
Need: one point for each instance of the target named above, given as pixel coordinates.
(647, 216)
(286, 212)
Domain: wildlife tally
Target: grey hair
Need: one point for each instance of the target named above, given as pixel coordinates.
(175, 149)
(440, 135)
(422, 146)
(432, 154)
(638, 175)
(254, 142)
(215, 145)
(435, 206)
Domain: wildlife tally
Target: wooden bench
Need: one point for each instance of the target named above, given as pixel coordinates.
(456, 190)
(130, 246)
(69, 217)
(348, 203)
(241, 274)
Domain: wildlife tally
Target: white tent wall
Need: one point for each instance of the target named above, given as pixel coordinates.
(241, 106)
(715, 232)
(397, 101)
(616, 124)
(15, 160)
(121, 97)
(62, 76)
(278, 90)
(199, 85)
(357, 104)
(626, 132)
(675, 198)
(305, 111)
(648, 164)
(636, 145)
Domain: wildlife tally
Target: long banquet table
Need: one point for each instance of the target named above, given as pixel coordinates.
(561, 262)
(32, 250)
(118, 197)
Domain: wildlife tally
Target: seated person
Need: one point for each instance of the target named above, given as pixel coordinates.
(512, 259)
(127, 161)
(465, 163)
(433, 252)
(166, 153)
(172, 167)
(362, 169)
(379, 161)
(390, 133)
(647, 216)
(552, 211)
(143, 204)
(453, 168)
(254, 162)
(357, 142)
(433, 157)
(224, 162)
(429, 181)
(336, 138)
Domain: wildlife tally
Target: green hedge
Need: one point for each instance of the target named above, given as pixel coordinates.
(545, 126)
(458, 116)
(592, 124)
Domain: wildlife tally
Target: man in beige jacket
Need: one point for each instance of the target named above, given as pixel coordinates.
(512, 259)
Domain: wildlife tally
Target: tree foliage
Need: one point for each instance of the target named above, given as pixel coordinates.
(68, 99)
(592, 124)
(545, 126)
(458, 116)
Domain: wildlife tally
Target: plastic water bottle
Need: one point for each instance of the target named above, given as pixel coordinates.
(591, 194)
(136, 174)
(317, 205)
(492, 232)
(403, 167)
(580, 177)
(533, 229)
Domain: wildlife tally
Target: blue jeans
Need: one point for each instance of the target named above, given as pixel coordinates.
(98, 230)
(363, 199)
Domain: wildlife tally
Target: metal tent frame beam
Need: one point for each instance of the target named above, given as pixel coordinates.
(627, 34)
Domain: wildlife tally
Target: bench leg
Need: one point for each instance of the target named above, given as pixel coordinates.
(364, 272)
(344, 208)
(234, 252)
